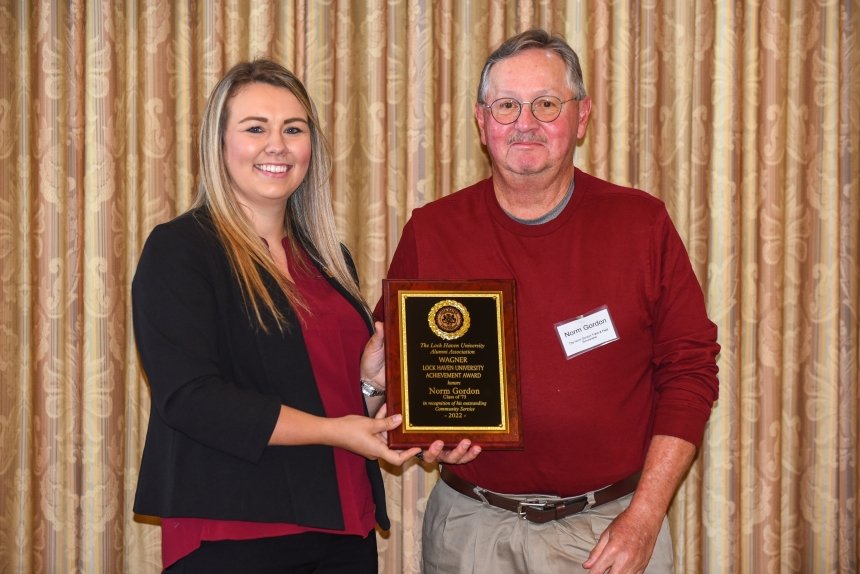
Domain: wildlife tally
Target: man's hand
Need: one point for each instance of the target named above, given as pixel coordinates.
(626, 545)
(461, 454)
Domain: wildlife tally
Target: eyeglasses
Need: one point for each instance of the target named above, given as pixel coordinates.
(545, 108)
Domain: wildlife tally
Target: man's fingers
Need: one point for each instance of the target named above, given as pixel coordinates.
(596, 552)
(433, 451)
(461, 456)
(464, 452)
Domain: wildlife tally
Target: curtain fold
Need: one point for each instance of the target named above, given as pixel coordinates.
(744, 117)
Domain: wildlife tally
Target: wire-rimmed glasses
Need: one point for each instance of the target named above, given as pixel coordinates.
(508, 110)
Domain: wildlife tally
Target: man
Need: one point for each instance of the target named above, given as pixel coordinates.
(594, 415)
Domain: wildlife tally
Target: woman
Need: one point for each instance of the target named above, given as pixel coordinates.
(250, 326)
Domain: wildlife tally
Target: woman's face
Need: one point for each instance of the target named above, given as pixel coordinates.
(267, 146)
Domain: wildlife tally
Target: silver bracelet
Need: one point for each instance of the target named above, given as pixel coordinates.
(369, 390)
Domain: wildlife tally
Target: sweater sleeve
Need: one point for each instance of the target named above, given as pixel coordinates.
(178, 323)
(685, 342)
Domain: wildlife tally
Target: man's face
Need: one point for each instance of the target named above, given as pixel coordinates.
(529, 146)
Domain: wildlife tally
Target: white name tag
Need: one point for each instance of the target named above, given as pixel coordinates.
(586, 332)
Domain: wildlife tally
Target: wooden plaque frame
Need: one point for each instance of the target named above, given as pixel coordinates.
(451, 362)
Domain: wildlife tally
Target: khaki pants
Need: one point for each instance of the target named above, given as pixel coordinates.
(464, 536)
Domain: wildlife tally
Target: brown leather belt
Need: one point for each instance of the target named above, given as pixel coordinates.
(538, 509)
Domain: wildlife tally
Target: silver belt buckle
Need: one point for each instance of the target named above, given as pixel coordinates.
(522, 506)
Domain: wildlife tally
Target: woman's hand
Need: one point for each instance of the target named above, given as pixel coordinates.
(373, 358)
(380, 414)
(369, 437)
(362, 435)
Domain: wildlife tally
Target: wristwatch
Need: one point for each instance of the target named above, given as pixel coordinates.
(369, 390)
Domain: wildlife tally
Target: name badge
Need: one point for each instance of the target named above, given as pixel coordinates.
(586, 332)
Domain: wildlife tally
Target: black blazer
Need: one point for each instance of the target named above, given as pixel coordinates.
(217, 382)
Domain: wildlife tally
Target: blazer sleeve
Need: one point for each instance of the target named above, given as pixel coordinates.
(180, 315)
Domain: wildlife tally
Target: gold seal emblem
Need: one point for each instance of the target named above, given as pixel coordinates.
(449, 319)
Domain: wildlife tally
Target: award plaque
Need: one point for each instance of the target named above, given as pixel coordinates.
(451, 362)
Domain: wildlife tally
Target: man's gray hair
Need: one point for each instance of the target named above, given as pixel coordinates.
(540, 39)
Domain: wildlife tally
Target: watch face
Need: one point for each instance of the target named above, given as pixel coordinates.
(369, 390)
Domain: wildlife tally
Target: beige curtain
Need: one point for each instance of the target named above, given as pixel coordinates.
(744, 117)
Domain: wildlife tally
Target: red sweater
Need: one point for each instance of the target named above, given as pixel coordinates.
(588, 420)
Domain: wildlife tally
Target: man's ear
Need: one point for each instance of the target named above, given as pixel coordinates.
(479, 117)
(583, 113)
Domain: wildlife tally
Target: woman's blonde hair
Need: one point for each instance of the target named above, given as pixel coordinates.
(309, 217)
